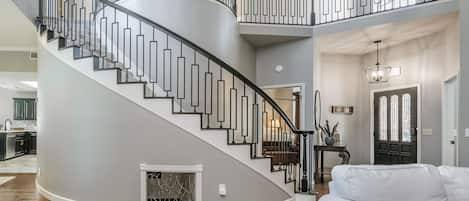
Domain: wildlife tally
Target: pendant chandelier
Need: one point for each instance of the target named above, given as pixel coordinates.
(378, 73)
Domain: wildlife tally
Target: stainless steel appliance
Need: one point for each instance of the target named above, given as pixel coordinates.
(10, 150)
(20, 145)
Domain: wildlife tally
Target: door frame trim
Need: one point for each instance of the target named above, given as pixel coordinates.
(419, 118)
(302, 86)
(443, 92)
(302, 102)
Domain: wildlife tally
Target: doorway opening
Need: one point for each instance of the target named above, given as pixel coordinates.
(291, 100)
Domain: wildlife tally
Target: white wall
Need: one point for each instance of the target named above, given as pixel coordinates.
(464, 84)
(6, 106)
(426, 61)
(339, 80)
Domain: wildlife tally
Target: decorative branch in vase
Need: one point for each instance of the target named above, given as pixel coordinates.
(329, 133)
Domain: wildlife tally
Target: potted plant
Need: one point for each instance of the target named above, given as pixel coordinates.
(329, 133)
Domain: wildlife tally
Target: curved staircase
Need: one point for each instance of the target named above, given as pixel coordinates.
(132, 50)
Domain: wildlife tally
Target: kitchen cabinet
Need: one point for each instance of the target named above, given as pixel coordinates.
(24, 109)
(30, 143)
(15, 144)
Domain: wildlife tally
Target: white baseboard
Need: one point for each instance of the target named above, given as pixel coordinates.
(49, 195)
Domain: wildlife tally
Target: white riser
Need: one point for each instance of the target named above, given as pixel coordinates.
(162, 108)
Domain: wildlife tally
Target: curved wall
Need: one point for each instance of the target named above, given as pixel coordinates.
(91, 142)
(206, 23)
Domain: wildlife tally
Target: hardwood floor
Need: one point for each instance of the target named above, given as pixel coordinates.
(21, 188)
(322, 188)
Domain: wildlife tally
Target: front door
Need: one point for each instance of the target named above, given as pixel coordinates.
(395, 126)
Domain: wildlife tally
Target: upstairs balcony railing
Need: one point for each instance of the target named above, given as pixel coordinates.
(314, 12)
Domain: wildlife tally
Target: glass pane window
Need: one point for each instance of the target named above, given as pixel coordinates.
(406, 131)
(394, 118)
(383, 118)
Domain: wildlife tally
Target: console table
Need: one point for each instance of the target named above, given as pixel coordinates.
(319, 150)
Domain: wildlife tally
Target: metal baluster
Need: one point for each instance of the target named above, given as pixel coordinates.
(115, 36)
(208, 93)
(153, 60)
(233, 108)
(127, 50)
(221, 99)
(140, 54)
(181, 95)
(166, 51)
(195, 73)
(244, 115)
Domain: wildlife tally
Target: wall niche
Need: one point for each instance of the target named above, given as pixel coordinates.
(171, 183)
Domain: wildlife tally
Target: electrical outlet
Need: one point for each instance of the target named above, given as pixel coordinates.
(222, 190)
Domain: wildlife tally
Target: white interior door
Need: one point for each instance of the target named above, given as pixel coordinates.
(450, 122)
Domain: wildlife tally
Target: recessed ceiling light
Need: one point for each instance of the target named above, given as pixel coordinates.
(32, 84)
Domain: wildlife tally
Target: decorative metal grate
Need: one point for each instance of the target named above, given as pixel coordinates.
(170, 186)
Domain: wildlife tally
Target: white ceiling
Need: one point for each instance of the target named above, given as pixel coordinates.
(17, 33)
(360, 42)
(12, 81)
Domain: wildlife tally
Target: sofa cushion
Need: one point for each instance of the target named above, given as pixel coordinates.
(388, 183)
(456, 182)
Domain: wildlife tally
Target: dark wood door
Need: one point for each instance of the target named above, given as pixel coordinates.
(395, 126)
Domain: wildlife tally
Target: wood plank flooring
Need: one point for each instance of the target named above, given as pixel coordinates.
(322, 188)
(22, 188)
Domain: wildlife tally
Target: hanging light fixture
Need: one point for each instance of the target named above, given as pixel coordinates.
(378, 73)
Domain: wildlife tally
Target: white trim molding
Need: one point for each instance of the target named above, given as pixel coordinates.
(302, 86)
(18, 49)
(49, 195)
(196, 169)
(455, 77)
(419, 119)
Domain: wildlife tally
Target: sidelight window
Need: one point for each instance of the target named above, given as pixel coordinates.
(406, 130)
(383, 118)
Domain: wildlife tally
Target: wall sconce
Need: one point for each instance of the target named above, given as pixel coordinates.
(342, 109)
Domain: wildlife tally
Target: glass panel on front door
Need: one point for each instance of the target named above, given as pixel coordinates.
(383, 118)
(395, 118)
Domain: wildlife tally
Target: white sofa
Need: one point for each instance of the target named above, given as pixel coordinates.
(398, 183)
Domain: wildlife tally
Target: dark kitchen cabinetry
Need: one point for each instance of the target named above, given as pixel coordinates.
(31, 143)
(24, 109)
(16, 144)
